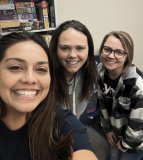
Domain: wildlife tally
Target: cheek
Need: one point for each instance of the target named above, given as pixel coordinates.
(122, 61)
(102, 57)
(62, 55)
(8, 79)
(6, 83)
(83, 55)
(46, 82)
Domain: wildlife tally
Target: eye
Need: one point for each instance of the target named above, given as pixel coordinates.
(80, 48)
(119, 52)
(65, 48)
(42, 70)
(107, 49)
(15, 68)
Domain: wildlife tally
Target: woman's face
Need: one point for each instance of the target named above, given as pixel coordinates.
(112, 62)
(24, 77)
(72, 50)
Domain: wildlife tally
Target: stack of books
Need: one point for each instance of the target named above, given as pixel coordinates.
(8, 15)
(18, 15)
(27, 15)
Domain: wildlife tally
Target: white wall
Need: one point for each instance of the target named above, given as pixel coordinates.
(103, 16)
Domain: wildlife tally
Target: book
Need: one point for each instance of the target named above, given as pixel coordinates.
(6, 1)
(8, 15)
(7, 6)
(42, 13)
(52, 17)
(27, 14)
(11, 29)
(13, 23)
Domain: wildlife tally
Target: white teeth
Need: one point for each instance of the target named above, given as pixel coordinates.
(111, 61)
(26, 93)
(72, 62)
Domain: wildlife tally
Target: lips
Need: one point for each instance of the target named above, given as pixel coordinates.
(110, 62)
(72, 62)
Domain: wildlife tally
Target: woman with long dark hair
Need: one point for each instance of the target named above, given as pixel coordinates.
(32, 127)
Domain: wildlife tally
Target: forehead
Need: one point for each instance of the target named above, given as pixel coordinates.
(72, 35)
(26, 50)
(114, 42)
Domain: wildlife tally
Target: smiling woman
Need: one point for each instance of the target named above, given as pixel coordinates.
(32, 126)
(121, 97)
(28, 80)
(73, 51)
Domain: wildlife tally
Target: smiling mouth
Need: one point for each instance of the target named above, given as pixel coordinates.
(109, 61)
(72, 62)
(26, 93)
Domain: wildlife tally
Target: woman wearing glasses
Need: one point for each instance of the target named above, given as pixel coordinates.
(121, 85)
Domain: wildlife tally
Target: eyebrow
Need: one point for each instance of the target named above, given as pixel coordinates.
(67, 45)
(23, 61)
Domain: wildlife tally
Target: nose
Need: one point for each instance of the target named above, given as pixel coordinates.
(112, 54)
(73, 53)
(29, 77)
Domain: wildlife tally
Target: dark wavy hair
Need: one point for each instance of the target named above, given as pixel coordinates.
(45, 139)
(88, 70)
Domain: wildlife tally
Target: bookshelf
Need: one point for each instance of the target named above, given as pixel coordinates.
(30, 15)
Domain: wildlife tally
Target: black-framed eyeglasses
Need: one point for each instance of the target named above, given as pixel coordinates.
(118, 53)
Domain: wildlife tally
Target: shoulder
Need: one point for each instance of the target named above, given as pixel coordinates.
(69, 123)
(132, 75)
(101, 69)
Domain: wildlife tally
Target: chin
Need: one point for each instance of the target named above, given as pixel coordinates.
(110, 68)
(73, 71)
(27, 108)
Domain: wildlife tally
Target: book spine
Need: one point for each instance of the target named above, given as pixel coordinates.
(42, 13)
(52, 19)
(11, 29)
(13, 23)
(8, 15)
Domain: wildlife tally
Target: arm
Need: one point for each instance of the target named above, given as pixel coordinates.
(80, 143)
(83, 155)
(133, 136)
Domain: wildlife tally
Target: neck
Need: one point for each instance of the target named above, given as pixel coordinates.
(114, 75)
(14, 122)
(69, 76)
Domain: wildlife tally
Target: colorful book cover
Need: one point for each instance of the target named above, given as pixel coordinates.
(8, 15)
(7, 6)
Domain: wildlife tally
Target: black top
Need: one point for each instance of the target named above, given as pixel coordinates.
(109, 86)
(14, 144)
